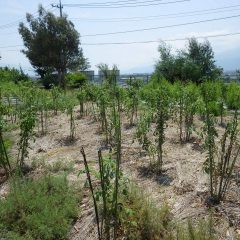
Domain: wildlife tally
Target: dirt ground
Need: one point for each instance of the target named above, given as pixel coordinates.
(183, 185)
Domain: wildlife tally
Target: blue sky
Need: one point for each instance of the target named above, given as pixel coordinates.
(134, 57)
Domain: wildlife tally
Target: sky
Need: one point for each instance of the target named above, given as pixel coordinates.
(137, 57)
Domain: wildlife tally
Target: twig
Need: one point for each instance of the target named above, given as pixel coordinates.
(91, 188)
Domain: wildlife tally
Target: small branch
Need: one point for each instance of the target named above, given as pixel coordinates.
(91, 188)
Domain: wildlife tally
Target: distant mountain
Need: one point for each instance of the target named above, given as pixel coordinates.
(148, 69)
(230, 61)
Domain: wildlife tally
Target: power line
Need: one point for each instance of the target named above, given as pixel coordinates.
(160, 27)
(12, 24)
(11, 46)
(158, 2)
(165, 16)
(140, 42)
(109, 4)
(148, 29)
(157, 41)
(13, 50)
(173, 15)
(114, 2)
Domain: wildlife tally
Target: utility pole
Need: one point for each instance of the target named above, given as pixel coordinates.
(61, 75)
(60, 6)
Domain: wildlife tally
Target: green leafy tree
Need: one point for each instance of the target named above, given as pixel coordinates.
(52, 43)
(202, 55)
(12, 75)
(195, 63)
(164, 67)
(76, 80)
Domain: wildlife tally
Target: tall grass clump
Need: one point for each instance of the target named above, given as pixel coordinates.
(141, 219)
(202, 230)
(41, 209)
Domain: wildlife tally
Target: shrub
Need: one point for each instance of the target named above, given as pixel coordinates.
(76, 80)
(40, 209)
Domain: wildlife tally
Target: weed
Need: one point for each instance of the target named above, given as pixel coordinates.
(203, 230)
(140, 219)
(40, 209)
(61, 165)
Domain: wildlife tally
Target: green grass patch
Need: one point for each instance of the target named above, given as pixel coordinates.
(8, 143)
(10, 127)
(58, 166)
(38, 209)
(141, 219)
(61, 165)
(202, 230)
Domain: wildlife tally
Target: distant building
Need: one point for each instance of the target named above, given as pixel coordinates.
(101, 75)
(230, 76)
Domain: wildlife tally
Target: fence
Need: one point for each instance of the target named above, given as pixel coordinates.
(122, 79)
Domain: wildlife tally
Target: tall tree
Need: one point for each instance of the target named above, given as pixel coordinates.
(195, 63)
(164, 67)
(202, 55)
(52, 44)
